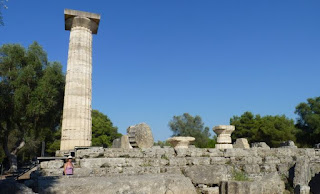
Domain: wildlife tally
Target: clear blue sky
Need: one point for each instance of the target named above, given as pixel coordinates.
(153, 59)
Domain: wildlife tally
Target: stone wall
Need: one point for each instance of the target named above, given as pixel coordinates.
(204, 167)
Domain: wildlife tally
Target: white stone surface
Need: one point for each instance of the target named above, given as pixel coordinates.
(180, 142)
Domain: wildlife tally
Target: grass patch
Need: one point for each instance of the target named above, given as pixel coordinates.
(240, 176)
(164, 157)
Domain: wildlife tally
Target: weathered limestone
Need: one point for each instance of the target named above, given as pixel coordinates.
(76, 122)
(140, 136)
(302, 189)
(224, 136)
(206, 168)
(180, 142)
(261, 145)
(270, 183)
(288, 144)
(155, 184)
(122, 142)
(241, 143)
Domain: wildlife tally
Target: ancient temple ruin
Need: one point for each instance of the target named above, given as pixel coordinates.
(76, 122)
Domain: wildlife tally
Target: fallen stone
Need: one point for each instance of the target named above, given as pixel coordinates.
(122, 142)
(288, 144)
(155, 184)
(261, 145)
(140, 136)
(241, 143)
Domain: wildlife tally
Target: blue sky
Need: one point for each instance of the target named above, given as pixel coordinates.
(153, 59)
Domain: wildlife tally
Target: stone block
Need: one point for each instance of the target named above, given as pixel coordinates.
(219, 160)
(53, 164)
(155, 184)
(301, 171)
(102, 162)
(241, 143)
(215, 152)
(192, 152)
(198, 161)
(268, 168)
(251, 168)
(122, 142)
(123, 153)
(177, 161)
(238, 152)
(271, 183)
(210, 190)
(261, 145)
(288, 144)
(271, 160)
(208, 175)
(92, 152)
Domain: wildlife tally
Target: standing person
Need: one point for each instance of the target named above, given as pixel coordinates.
(68, 166)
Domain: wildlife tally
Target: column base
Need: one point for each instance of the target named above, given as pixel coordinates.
(224, 146)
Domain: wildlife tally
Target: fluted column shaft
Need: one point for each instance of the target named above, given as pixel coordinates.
(76, 122)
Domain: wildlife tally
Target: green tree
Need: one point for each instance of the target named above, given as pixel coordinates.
(187, 125)
(103, 131)
(309, 122)
(31, 99)
(270, 129)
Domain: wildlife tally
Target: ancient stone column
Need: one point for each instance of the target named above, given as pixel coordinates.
(76, 122)
(224, 136)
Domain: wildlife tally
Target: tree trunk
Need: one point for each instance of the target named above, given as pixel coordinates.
(12, 156)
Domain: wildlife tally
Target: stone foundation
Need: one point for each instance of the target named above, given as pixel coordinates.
(209, 167)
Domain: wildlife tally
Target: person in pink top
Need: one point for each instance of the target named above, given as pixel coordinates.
(68, 166)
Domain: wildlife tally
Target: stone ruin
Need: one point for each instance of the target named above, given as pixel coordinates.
(134, 165)
(183, 169)
(138, 136)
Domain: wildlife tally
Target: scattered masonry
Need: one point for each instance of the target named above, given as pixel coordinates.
(208, 168)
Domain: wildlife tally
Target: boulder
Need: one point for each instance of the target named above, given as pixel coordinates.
(140, 136)
(155, 184)
(241, 143)
(262, 145)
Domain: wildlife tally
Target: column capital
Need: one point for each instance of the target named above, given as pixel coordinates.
(75, 18)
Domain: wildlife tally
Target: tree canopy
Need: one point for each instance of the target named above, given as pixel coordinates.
(103, 131)
(31, 98)
(270, 129)
(309, 122)
(187, 125)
